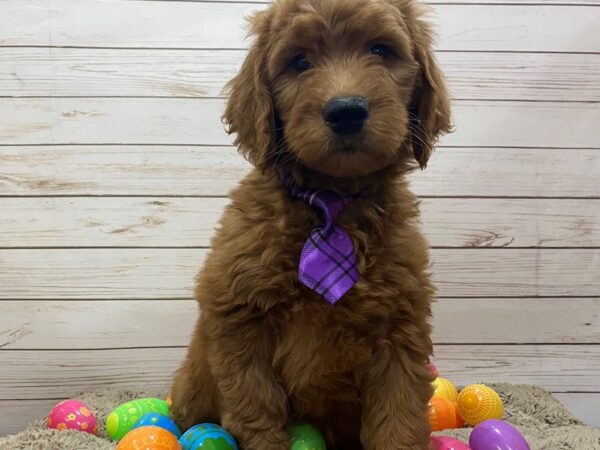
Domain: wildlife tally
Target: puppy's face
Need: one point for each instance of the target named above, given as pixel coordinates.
(345, 87)
(342, 80)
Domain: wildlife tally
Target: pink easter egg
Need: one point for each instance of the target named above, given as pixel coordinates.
(433, 369)
(447, 443)
(72, 415)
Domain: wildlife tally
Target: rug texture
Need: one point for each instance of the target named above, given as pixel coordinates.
(543, 420)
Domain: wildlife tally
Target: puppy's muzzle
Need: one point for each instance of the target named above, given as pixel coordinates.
(346, 115)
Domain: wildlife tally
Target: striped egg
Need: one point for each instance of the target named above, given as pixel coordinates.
(123, 418)
(207, 436)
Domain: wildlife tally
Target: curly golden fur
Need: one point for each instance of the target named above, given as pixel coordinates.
(267, 351)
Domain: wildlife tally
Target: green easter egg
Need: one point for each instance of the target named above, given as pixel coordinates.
(216, 444)
(306, 437)
(121, 420)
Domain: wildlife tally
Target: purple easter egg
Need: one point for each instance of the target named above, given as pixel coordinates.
(447, 443)
(497, 435)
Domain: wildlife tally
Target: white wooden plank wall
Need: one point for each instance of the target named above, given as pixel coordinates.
(114, 169)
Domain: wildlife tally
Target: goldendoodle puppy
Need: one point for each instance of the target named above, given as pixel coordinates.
(315, 298)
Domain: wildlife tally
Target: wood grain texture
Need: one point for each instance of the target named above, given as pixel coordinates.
(52, 325)
(120, 170)
(569, 368)
(203, 73)
(214, 171)
(534, 28)
(190, 222)
(461, 2)
(169, 273)
(30, 121)
(522, 76)
(111, 23)
(26, 71)
(510, 2)
(31, 374)
(16, 414)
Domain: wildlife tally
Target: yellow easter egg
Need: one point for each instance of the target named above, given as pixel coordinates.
(478, 402)
(444, 388)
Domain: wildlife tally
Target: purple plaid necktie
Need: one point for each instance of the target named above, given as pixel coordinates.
(328, 261)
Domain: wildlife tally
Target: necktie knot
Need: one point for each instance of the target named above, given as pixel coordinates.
(328, 260)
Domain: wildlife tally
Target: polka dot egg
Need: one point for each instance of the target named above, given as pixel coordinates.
(72, 415)
(207, 436)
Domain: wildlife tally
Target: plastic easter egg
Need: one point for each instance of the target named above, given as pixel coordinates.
(158, 420)
(306, 437)
(149, 438)
(447, 443)
(72, 415)
(207, 436)
(442, 414)
(497, 435)
(121, 420)
(478, 402)
(460, 422)
(169, 400)
(444, 388)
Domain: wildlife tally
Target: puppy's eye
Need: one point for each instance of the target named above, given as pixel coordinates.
(300, 63)
(381, 50)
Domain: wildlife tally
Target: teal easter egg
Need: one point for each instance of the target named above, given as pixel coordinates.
(306, 437)
(207, 436)
(158, 420)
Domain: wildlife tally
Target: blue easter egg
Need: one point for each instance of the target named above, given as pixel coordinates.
(207, 436)
(157, 420)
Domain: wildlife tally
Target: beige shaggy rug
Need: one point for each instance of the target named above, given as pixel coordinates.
(543, 420)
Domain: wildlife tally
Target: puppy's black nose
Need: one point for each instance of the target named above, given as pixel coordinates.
(346, 115)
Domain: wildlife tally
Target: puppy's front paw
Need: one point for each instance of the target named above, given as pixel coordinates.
(258, 436)
(265, 440)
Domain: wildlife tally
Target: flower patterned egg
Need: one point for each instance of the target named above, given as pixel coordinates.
(149, 438)
(121, 420)
(207, 436)
(72, 415)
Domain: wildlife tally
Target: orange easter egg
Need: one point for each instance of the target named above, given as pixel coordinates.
(149, 438)
(460, 422)
(445, 389)
(442, 414)
(478, 402)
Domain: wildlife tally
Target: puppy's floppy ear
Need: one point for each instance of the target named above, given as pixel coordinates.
(249, 112)
(430, 105)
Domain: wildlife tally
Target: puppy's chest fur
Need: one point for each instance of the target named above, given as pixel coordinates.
(318, 347)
